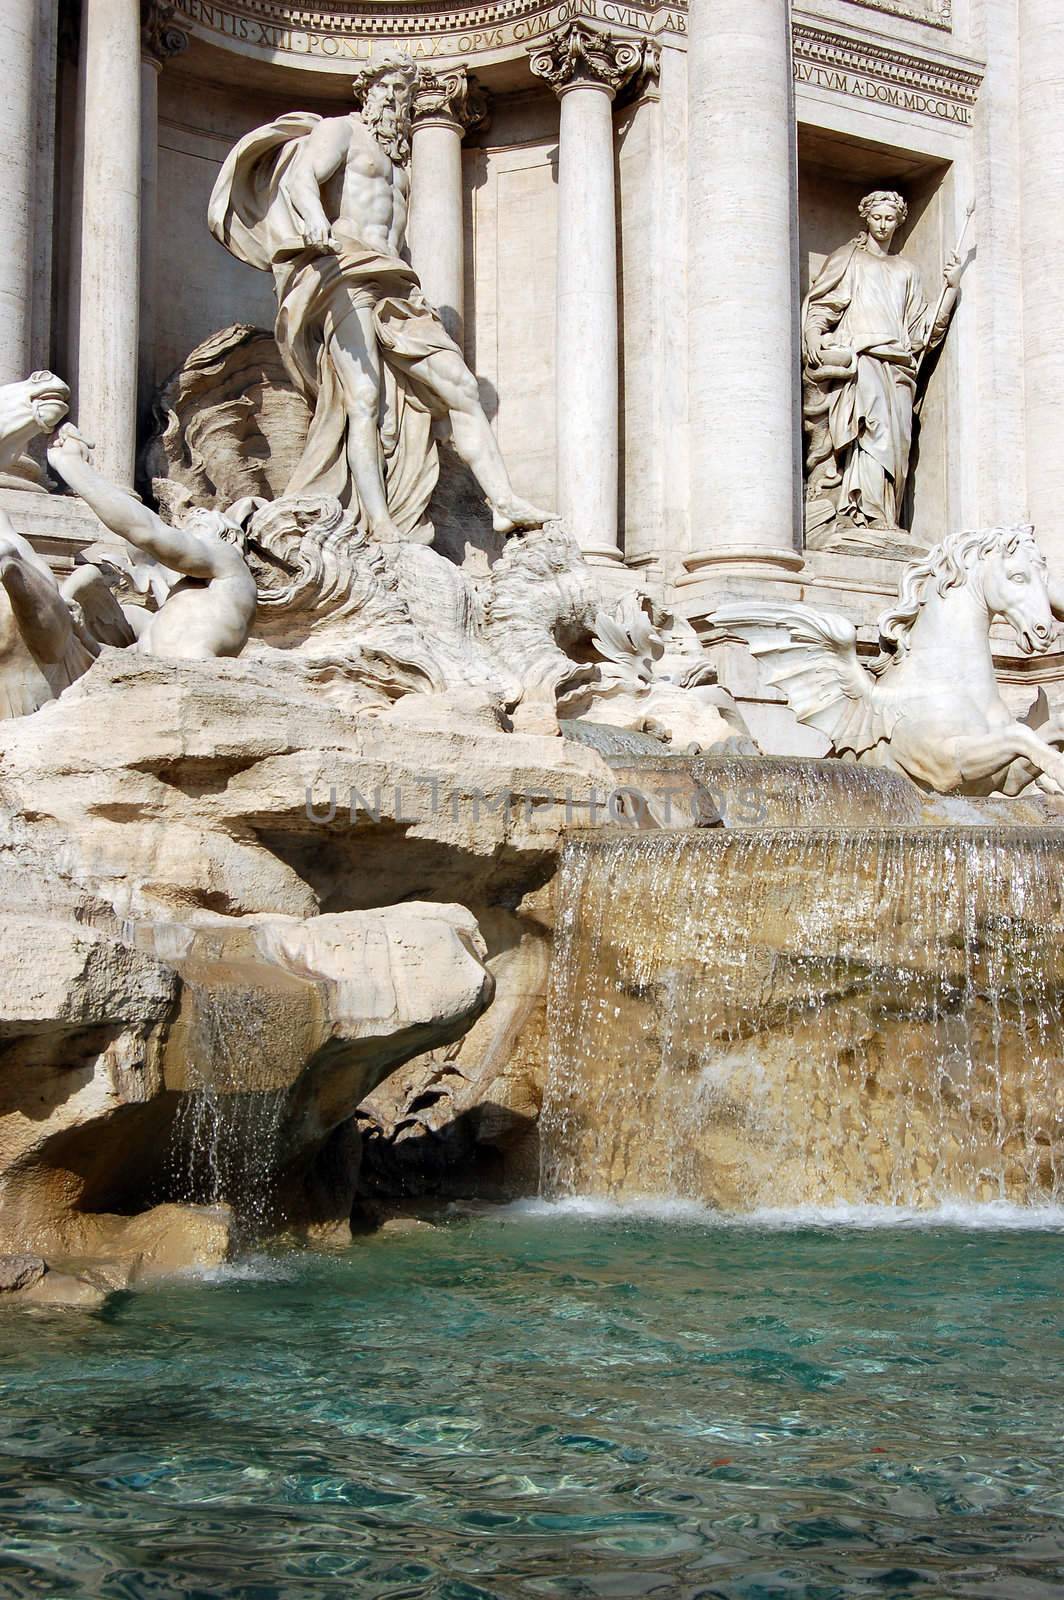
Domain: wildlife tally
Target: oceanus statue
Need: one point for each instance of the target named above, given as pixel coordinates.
(929, 706)
(321, 202)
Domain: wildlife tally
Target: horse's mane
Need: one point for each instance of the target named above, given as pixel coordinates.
(947, 565)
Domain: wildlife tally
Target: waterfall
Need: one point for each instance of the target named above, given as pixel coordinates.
(226, 1139)
(609, 741)
(795, 792)
(787, 1016)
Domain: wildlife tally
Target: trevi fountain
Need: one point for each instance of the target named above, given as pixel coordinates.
(531, 798)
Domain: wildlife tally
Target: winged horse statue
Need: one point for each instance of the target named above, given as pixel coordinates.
(929, 705)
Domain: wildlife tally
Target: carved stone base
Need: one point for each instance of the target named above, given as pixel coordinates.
(828, 532)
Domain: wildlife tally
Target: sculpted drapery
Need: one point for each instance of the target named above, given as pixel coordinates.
(250, 214)
(865, 327)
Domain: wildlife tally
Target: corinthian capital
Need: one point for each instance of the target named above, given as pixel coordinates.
(454, 97)
(578, 55)
(159, 37)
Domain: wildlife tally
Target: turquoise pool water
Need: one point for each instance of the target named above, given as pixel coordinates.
(553, 1402)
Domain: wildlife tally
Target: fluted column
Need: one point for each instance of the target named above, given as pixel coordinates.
(160, 39)
(110, 232)
(447, 106)
(18, 143)
(586, 69)
(1042, 232)
(742, 285)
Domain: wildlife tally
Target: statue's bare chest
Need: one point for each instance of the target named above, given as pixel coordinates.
(372, 187)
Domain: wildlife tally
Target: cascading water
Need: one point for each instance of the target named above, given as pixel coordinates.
(789, 792)
(609, 741)
(226, 1140)
(783, 1016)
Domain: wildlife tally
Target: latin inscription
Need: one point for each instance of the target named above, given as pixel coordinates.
(918, 101)
(921, 99)
(421, 46)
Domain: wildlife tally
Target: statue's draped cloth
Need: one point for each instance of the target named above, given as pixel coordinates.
(874, 306)
(251, 216)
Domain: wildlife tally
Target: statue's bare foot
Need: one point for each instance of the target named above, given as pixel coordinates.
(510, 515)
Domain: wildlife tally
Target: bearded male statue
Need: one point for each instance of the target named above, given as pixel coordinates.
(322, 203)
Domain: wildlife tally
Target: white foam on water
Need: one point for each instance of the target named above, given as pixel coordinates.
(992, 1215)
(652, 1208)
(258, 1268)
(989, 1216)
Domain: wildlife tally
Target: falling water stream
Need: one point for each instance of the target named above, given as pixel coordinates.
(226, 1139)
(653, 1399)
(783, 1016)
(789, 792)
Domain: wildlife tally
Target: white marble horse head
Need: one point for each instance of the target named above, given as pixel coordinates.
(1002, 567)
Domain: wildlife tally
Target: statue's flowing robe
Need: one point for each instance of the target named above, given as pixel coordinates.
(251, 216)
(873, 305)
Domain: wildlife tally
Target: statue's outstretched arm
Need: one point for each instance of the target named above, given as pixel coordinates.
(124, 514)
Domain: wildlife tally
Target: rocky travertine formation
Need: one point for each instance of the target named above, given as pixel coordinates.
(201, 863)
(109, 1027)
(463, 1119)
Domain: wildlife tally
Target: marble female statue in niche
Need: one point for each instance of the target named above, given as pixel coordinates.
(866, 328)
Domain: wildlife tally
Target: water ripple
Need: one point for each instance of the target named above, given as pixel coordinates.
(542, 1403)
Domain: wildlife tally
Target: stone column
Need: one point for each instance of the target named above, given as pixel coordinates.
(447, 106)
(1041, 95)
(160, 40)
(586, 69)
(743, 384)
(18, 146)
(993, 284)
(109, 292)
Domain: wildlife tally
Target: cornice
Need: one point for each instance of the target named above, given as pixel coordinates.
(827, 57)
(344, 31)
(885, 74)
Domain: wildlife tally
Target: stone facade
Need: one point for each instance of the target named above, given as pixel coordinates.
(515, 419)
(621, 210)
